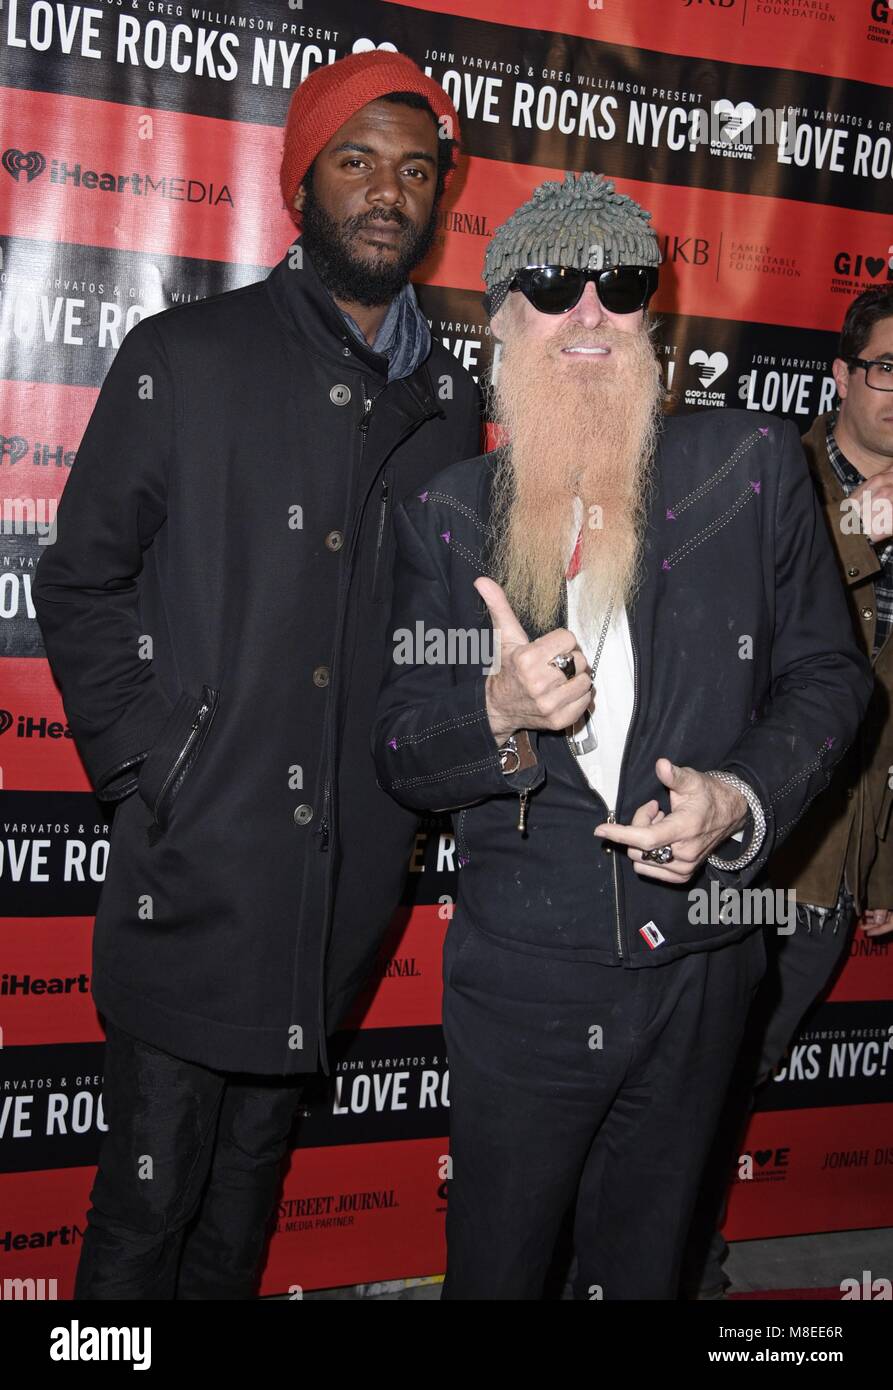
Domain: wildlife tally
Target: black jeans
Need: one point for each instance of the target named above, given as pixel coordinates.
(188, 1175)
(799, 971)
(571, 1081)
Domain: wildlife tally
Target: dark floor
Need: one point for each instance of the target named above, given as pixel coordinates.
(791, 1262)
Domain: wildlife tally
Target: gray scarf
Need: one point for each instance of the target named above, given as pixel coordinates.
(404, 337)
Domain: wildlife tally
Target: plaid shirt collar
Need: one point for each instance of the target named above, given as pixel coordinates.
(850, 478)
(848, 475)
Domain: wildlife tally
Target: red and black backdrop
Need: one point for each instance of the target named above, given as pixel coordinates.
(140, 144)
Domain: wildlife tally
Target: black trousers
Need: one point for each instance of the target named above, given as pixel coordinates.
(188, 1175)
(800, 968)
(574, 1082)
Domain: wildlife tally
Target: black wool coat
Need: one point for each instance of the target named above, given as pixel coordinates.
(744, 661)
(214, 610)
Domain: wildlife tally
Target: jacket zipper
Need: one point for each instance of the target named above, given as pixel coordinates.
(614, 851)
(612, 811)
(612, 816)
(323, 826)
(203, 711)
(368, 403)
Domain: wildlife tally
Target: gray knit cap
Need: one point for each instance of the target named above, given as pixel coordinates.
(581, 222)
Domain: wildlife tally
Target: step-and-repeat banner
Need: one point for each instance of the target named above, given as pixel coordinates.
(140, 143)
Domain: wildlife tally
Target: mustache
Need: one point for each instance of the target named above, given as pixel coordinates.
(576, 335)
(365, 219)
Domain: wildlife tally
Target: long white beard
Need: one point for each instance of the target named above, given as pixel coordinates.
(582, 429)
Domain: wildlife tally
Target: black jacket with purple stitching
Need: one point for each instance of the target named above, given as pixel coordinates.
(734, 548)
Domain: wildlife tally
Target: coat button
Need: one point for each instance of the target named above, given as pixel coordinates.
(334, 540)
(321, 675)
(339, 395)
(303, 814)
(853, 571)
(890, 778)
(867, 613)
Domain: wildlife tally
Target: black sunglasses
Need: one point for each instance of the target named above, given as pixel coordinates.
(556, 289)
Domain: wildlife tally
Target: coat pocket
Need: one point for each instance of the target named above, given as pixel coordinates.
(457, 939)
(174, 754)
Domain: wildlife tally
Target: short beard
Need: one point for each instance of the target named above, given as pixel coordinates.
(352, 278)
(575, 429)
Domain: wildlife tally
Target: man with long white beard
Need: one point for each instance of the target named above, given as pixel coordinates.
(676, 678)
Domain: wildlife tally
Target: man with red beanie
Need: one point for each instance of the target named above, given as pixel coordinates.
(215, 611)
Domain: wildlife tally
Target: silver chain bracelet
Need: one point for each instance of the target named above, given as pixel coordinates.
(759, 824)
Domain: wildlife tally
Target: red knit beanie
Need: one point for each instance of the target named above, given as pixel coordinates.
(332, 94)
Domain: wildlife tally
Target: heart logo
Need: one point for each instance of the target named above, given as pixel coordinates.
(762, 1156)
(874, 264)
(13, 444)
(17, 162)
(5, 720)
(712, 367)
(740, 117)
(367, 46)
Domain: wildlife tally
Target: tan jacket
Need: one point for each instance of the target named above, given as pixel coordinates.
(849, 825)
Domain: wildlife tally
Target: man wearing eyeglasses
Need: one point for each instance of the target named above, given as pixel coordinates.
(839, 859)
(663, 705)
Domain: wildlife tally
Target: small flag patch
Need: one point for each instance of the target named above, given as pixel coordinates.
(653, 936)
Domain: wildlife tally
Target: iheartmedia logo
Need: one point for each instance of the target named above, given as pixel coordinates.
(16, 446)
(18, 162)
(28, 726)
(40, 1240)
(32, 163)
(39, 984)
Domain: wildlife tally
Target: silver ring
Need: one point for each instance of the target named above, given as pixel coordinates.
(661, 855)
(566, 665)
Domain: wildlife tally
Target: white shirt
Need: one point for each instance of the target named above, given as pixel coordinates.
(598, 739)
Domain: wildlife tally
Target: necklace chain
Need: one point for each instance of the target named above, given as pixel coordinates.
(601, 641)
(595, 660)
